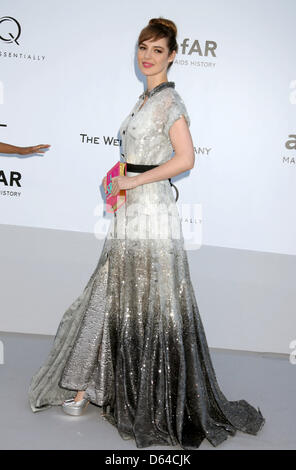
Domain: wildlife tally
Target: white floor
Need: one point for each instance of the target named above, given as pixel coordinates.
(265, 380)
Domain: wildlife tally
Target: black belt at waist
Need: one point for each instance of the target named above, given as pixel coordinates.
(141, 168)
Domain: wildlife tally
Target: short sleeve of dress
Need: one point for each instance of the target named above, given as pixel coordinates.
(176, 110)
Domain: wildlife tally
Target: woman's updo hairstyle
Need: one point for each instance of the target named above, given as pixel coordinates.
(158, 28)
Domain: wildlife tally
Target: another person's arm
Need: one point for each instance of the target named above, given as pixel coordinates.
(7, 148)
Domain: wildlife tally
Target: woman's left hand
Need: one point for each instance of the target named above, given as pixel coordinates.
(122, 182)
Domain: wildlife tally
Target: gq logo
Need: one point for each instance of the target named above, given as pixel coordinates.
(10, 29)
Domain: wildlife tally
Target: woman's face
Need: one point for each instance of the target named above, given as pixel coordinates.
(153, 56)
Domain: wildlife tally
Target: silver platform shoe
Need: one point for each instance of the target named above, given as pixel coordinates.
(75, 408)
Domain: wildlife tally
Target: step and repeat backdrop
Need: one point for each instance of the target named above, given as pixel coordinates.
(69, 76)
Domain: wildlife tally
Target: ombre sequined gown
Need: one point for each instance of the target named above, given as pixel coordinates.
(134, 339)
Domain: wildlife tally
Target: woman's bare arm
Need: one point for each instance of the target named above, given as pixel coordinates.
(183, 159)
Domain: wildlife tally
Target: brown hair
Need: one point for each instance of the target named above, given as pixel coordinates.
(161, 28)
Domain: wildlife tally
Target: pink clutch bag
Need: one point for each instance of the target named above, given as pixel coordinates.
(114, 202)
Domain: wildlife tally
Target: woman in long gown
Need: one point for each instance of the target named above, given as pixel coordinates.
(133, 342)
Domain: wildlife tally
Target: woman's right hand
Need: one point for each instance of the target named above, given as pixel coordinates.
(104, 183)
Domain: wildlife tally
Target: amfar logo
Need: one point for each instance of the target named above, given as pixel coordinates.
(291, 144)
(13, 178)
(209, 47)
(10, 29)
